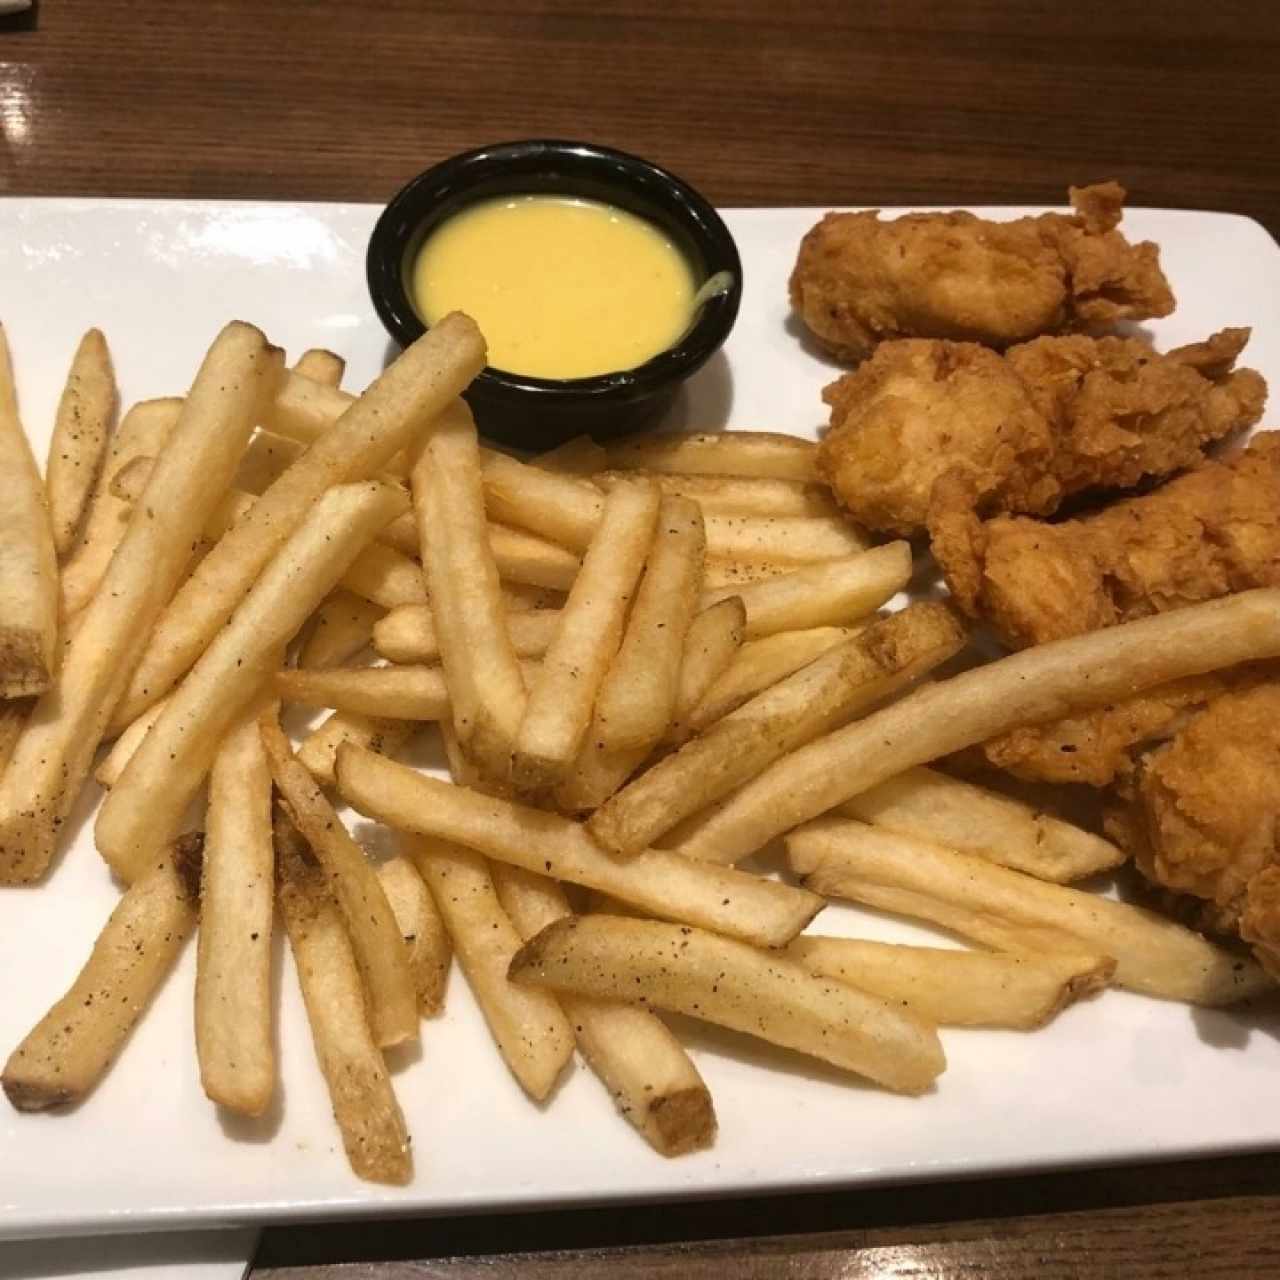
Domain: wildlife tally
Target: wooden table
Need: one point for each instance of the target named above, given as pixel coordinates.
(756, 102)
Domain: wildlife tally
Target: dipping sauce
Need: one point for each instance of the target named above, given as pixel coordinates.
(560, 287)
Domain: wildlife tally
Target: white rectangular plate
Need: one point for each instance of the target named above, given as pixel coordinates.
(1118, 1078)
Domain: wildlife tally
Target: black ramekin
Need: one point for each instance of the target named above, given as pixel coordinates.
(539, 413)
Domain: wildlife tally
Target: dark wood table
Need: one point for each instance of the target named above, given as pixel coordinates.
(756, 102)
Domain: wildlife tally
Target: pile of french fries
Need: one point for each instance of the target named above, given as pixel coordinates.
(645, 662)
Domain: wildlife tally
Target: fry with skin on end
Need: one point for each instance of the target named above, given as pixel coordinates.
(733, 902)
(532, 1033)
(1009, 911)
(81, 430)
(733, 985)
(391, 693)
(409, 634)
(321, 366)
(959, 988)
(1044, 683)
(108, 772)
(562, 695)
(55, 753)
(28, 560)
(714, 637)
(70, 1049)
(364, 1104)
(319, 749)
(146, 805)
(340, 628)
(233, 944)
(724, 453)
(375, 936)
(832, 689)
(425, 938)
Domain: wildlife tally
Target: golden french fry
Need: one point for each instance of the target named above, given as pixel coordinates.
(959, 988)
(375, 936)
(784, 539)
(319, 748)
(532, 1033)
(145, 806)
(724, 453)
(563, 508)
(737, 495)
(28, 561)
(233, 945)
(364, 1104)
(1042, 683)
(391, 413)
(389, 693)
(733, 985)
(108, 772)
(340, 628)
(81, 431)
(321, 366)
(865, 669)
(13, 719)
(579, 456)
(715, 636)
(69, 1050)
(425, 937)
(730, 575)
(596, 773)
(52, 758)
(129, 482)
(666, 884)
(1009, 911)
(925, 803)
(525, 558)
(304, 409)
(409, 634)
(265, 460)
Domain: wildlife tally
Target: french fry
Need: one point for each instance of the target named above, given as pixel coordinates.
(959, 988)
(425, 937)
(409, 634)
(265, 460)
(648, 1074)
(81, 431)
(1038, 684)
(714, 637)
(52, 758)
(69, 1050)
(725, 453)
(729, 575)
(596, 774)
(321, 366)
(364, 1104)
(108, 772)
(666, 884)
(145, 806)
(13, 719)
(728, 983)
(392, 412)
(28, 561)
(580, 456)
(532, 561)
(486, 690)
(233, 945)
(870, 666)
(933, 806)
(737, 495)
(375, 936)
(532, 1033)
(562, 695)
(129, 481)
(1009, 911)
(304, 409)
(319, 749)
(784, 539)
(390, 693)
(340, 628)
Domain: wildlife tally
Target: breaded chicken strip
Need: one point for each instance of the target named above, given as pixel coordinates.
(859, 281)
(936, 434)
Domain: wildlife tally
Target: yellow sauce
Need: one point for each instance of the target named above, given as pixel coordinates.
(560, 287)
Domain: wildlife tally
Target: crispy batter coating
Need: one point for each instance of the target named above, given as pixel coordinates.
(936, 434)
(859, 281)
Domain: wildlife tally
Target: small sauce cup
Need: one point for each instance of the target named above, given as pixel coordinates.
(539, 413)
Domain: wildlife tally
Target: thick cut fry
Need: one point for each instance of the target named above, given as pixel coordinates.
(390, 414)
(832, 593)
(714, 637)
(638, 697)
(108, 772)
(266, 459)
(319, 748)
(340, 628)
(364, 1104)
(870, 666)
(932, 805)
(146, 805)
(1009, 911)
(647, 1072)
(375, 936)
(532, 1033)
(410, 635)
(676, 888)
(563, 694)
(71, 1047)
(733, 985)
(392, 693)
(485, 685)
(143, 433)
(321, 366)
(959, 988)
(426, 939)
(580, 456)
(53, 756)
(28, 561)
(723, 453)
(1039, 684)
(233, 946)
(738, 495)
(80, 434)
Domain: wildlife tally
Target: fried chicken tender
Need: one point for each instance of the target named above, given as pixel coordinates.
(937, 434)
(859, 281)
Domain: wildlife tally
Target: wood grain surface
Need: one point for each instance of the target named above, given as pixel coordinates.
(755, 102)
